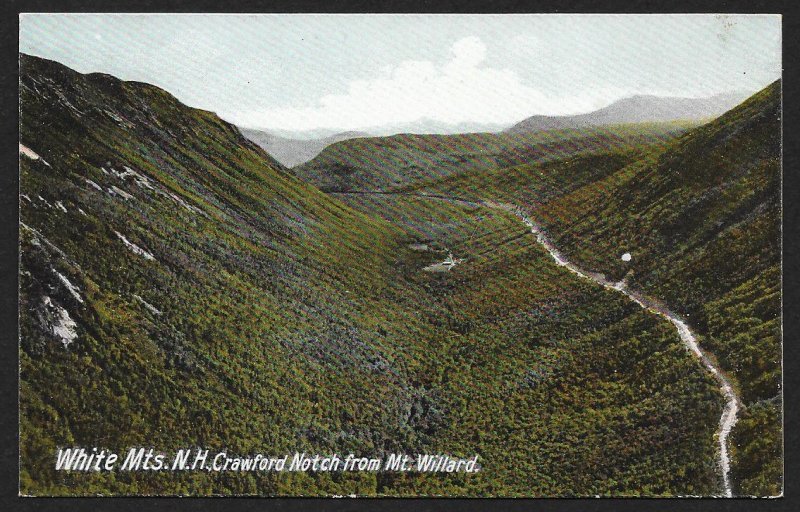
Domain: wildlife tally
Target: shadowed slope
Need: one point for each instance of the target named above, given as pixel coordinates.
(178, 289)
(700, 218)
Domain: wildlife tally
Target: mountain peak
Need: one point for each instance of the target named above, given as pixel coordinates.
(640, 108)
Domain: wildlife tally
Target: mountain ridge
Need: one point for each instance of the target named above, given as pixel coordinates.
(637, 108)
(390, 163)
(292, 152)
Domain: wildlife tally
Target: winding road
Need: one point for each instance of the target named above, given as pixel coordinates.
(730, 410)
(728, 418)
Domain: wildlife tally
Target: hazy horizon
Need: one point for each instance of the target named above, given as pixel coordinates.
(426, 126)
(304, 74)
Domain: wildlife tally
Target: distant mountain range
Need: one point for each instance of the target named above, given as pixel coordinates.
(429, 126)
(638, 109)
(293, 149)
(291, 152)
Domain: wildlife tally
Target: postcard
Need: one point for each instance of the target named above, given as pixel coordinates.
(288, 255)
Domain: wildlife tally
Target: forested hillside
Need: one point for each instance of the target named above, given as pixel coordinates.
(178, 289)
(389, 163)
(701, 221)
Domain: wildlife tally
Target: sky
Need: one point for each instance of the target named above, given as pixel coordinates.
(298, 74)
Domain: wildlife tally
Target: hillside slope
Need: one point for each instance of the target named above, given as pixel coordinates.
(701, 221)
(390, 163)
(178, 289)
(174, 281)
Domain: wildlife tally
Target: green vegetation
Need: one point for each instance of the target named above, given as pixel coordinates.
(701, 219)
(391, 163)
(255, 313)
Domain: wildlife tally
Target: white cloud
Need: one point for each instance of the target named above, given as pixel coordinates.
(462, 90)
(467, 52)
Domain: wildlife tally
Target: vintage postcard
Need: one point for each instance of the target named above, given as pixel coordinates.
(400, 255)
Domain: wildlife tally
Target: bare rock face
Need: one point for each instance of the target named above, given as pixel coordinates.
(55, 320)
